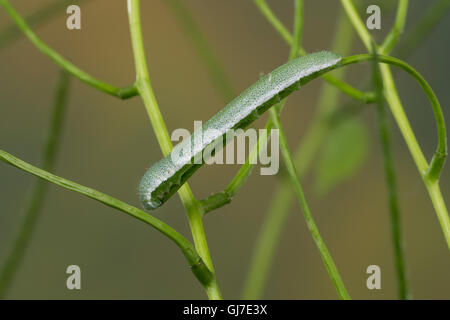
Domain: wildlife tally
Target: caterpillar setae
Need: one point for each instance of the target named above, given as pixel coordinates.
(165, 177)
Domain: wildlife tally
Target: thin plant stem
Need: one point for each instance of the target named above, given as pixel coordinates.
(222, 198)
(359, 26)
(429, 174)
(39, 192)
(192, 206)
(325, 255)
(196, 263)
(203, 48)
(122, 93)
(397, 30)
(391, 185)
(298, 29)
(432, 185)
(274, 221)
(274, 21)
(12, 33)
(432, 171)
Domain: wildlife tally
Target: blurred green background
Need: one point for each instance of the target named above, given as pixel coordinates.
(108, 144)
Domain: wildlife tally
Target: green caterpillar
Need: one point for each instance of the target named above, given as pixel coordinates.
(164, 178)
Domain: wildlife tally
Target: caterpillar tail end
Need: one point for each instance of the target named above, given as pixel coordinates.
(149, 203)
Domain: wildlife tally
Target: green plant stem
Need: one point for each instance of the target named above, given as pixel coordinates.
(203, 48)
(432, 185)
(196, 263)
(37, 18)
(430, 173)
(397, 30)
(281, 201)
(358, 24)
(325, 255)
(391, 185)
(274, 21)
(122, 93)
(433, 171)
(423, 28)
(296, 42)
(35, 203)
(222, 198)
(245, 170)
(194, 210)
(366, 97)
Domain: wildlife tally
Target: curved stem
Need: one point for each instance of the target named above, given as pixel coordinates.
(34, 205)
(144, 87)
(122, 93)
(433, 171)
(403, 123)
(40, 16)
(195, 261)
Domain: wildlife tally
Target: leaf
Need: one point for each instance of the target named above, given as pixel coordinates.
(342, 156)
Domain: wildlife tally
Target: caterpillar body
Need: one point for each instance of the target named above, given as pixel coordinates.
(165, 177)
